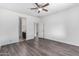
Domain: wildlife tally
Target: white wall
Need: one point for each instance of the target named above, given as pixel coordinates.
(9, 26)
(30, 26)
(63, 26)
(41, 28)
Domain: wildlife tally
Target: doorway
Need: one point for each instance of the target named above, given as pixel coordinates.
(36, 31)
(22, 28)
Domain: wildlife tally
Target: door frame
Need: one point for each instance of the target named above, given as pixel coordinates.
(20, 29)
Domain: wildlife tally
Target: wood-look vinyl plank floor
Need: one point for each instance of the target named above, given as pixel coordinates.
(42, 47)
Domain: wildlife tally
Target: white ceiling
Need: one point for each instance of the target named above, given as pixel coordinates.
(24, 8)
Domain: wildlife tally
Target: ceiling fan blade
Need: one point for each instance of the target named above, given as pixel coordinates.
(37, 5)
(45, 10)
(45, 5)
(38, 11)
(33, 8)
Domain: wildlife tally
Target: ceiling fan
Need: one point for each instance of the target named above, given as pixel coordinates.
(40, 7)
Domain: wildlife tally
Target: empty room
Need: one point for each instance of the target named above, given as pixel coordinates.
(39, 29)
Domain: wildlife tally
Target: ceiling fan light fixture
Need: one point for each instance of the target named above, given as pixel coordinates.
(40, 9)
